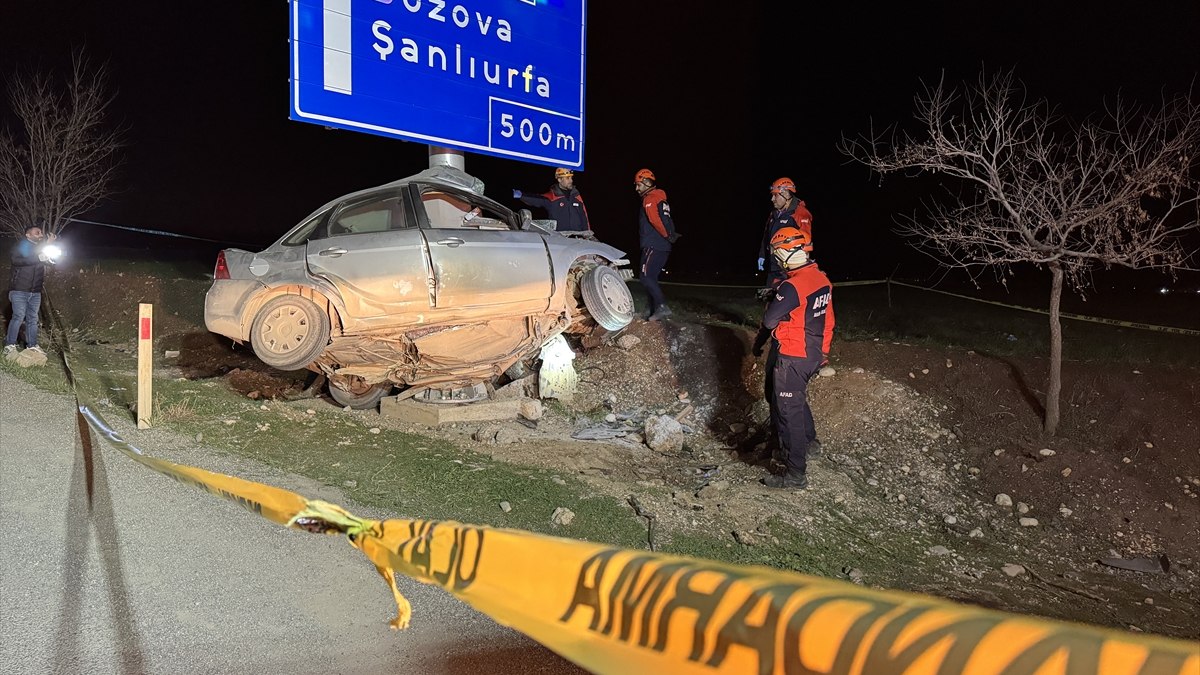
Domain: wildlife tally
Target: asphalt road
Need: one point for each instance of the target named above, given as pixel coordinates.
(159, 578)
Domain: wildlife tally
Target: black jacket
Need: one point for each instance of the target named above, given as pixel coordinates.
(793, 214)
(655, 225)
(27, 271)
(566, 208)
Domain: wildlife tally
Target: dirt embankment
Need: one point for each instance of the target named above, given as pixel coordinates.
(937, 477)
(921, 443)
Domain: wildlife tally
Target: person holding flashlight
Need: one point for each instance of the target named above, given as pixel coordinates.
(29, 259)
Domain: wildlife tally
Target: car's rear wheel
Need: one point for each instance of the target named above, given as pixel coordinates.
(358, 394)
(607, 298)
(289, 332)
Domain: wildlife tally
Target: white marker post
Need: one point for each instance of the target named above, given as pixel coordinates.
(145, 364)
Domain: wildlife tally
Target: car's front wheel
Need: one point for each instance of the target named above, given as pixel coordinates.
(357, 394)
(607, 298)
(289, 332)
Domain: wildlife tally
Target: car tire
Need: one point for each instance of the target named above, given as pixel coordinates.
(289, 332)
(361, 396)
(607, 298)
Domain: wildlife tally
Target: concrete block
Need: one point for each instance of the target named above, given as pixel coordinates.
(435, 414)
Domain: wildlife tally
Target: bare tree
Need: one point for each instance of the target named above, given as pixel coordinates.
(1026, 185)
(60, 161)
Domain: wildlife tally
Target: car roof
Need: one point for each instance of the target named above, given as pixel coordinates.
(446, 176)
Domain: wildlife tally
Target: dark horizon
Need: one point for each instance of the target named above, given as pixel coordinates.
(718, 104)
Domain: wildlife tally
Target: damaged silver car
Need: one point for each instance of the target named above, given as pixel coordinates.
(420, 283)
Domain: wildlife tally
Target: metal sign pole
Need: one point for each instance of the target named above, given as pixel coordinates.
(439, 156)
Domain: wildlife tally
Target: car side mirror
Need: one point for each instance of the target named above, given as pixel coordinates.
(528, 223)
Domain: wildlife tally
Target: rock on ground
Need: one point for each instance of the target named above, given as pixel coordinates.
(562, 516)
(663, 433)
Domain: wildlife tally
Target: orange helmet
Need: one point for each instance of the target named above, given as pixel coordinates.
(783, 184)
(791, 246)
(643, 174)
(790, 239)
(563, 173)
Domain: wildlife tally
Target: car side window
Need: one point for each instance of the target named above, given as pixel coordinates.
(448, 211)
(307, 230)
(374, 213)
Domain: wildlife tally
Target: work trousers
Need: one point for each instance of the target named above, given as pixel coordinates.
(769, 380)
(795, 420)
(653, 262)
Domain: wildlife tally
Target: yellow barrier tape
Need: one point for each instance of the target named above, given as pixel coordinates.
(274, 504)
(1065, 315)
(867, 282)
(614, 610)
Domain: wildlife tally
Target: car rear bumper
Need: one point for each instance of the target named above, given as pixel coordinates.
(224, 306)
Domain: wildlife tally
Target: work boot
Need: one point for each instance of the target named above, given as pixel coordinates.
(814, 450)
(661, 313)
(789, 481)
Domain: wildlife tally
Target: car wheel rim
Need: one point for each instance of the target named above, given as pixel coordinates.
(285, 329)
(616, 294)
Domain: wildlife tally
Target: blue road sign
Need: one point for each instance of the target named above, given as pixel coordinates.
(498, 77)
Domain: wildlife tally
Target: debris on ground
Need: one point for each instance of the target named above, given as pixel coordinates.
(911, 434)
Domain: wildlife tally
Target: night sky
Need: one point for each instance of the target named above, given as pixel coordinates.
(718, 101)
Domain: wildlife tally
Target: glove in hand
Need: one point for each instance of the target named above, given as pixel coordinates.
(674, 237)
(761, 262)
(517, 194)
(760, 341)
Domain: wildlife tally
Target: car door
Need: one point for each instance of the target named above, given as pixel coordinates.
(479, 258)
(372, 251)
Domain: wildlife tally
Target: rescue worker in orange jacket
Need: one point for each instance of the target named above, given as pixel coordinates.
(656, 232)
(788, 211)
(562, 202)
(800, 319)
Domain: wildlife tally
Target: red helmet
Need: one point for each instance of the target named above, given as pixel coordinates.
(563, 173)
(643, 174)
(783, 184)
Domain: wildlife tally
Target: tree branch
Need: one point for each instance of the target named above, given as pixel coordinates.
(1032, 187)
(62, 160)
